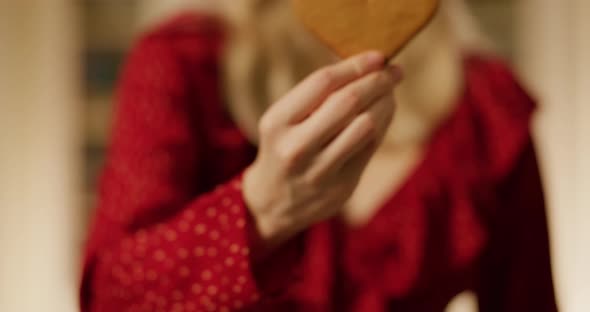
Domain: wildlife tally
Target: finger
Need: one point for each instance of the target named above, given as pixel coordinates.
(359, 134)
(310, 93)
(366, 129)
(354, 167)
(338, 111)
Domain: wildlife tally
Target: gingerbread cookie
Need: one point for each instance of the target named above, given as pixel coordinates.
(353, 26)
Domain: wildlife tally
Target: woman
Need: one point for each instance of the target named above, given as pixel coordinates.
(334, 210)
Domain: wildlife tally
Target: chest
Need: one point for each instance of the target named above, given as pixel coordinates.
(387, 171)
(413, 240)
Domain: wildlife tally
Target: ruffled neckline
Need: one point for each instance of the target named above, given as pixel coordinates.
(450, 190)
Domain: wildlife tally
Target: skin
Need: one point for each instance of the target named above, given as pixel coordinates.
(315, 143)
(433, 62)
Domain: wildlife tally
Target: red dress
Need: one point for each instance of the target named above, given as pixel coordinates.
(172, 233)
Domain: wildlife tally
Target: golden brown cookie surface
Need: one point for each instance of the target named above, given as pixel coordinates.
(353, 26)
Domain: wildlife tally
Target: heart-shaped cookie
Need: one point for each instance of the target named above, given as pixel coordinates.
(353, 26)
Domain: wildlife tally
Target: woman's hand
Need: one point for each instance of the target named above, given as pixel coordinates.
(315, 143)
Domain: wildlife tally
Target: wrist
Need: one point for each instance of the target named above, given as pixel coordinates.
(257, 205)
(272, 229)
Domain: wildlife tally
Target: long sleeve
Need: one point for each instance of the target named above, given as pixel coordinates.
(162, 239)
(517, 270)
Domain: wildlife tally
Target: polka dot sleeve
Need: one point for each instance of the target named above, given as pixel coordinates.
(197, 261)
(162, 238)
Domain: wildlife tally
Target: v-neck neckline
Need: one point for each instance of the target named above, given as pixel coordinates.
(429, 151)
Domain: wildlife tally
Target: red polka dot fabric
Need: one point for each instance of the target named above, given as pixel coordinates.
(199, 260)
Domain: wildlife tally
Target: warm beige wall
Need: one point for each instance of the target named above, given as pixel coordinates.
(39, 228)
(580, 300)
(552, 53)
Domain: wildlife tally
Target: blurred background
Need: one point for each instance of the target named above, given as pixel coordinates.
(59, 61)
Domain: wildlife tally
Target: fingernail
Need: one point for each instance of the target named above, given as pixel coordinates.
(374, 58)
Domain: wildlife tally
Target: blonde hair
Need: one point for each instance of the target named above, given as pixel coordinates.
(153, 12)
(269, 52)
